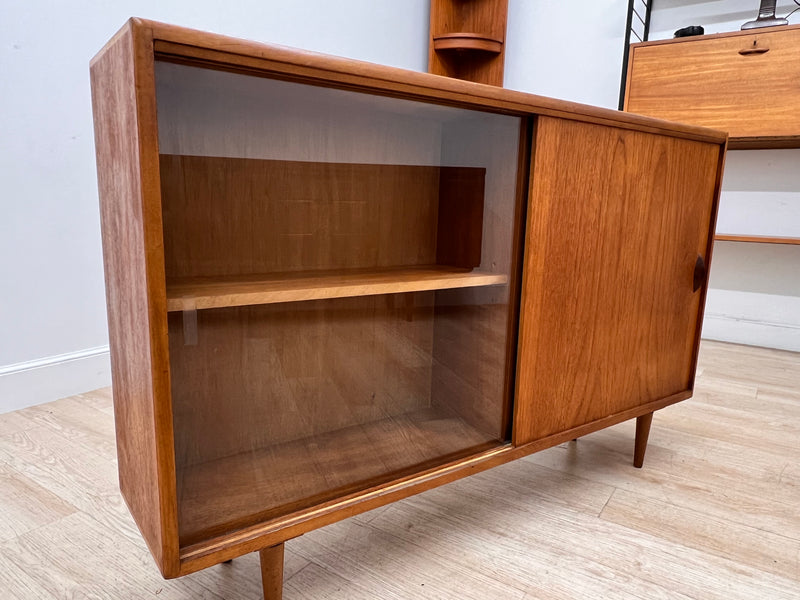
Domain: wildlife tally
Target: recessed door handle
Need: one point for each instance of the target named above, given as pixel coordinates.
(746, 51)
(699, 273)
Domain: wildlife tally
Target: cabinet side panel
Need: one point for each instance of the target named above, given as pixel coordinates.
(609, 316)
(132, 262)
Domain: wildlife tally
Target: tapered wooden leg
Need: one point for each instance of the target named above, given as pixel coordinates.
(642, 433)
(272, 572)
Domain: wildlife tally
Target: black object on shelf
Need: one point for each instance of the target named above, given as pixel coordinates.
(689, 31)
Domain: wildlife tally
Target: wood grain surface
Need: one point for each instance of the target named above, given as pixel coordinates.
(123, 101)
(218, 292)
(470, 369)
(467, 40)
(272, 571)
(608, 315)
(743, 83)
(229, 216)
(263, 375)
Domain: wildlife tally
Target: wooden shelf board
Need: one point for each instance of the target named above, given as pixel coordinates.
(202, 293)
(758, 239)
(467, 41)
(284, 478)
(763, 142)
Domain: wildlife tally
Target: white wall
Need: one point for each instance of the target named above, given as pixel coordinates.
(716, 16)
(53, 337)
(567, 50)
(754, 295)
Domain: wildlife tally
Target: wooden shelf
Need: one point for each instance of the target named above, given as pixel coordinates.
(758, 239)
(764, 142)
(218, 292)
(283, 478)
(467, 41)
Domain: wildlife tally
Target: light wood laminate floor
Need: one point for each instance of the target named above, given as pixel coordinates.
(714, 513)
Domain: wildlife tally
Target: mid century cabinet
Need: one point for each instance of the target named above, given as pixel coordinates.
(332, 285)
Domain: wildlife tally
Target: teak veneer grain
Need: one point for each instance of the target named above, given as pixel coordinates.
(625, 326)
(742, 82)
(123, 101)
(298, 337)
(200, 293)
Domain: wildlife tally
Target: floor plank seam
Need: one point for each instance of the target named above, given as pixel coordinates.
(599, 515)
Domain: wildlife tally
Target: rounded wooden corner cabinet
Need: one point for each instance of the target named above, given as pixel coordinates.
(467, 39)
(332, 284)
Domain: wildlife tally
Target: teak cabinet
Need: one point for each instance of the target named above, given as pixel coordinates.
(332, 284)
(744, 82)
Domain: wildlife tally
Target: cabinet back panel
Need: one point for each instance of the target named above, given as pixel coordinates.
(469, 351)
(286, 405)
(268, 374)
(230, 216)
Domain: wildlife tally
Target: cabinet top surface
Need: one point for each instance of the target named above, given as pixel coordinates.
(160, 41)
(760, 31)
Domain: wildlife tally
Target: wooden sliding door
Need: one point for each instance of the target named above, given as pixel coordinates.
(613, 283)
(340, 281)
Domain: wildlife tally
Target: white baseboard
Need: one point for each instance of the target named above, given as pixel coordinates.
(43, 380)
(723, 328)
(755, 319)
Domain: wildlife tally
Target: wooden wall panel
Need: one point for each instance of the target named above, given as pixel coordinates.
(609, 319)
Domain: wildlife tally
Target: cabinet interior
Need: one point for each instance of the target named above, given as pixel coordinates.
(341, 275)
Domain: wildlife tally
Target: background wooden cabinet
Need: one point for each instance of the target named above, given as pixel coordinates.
(744, 82)
(467, 40)
(332, 285)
